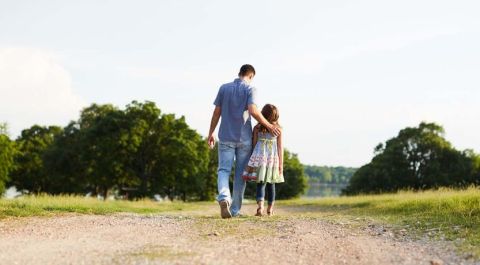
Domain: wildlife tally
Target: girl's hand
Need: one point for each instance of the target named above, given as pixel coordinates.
(281, 170)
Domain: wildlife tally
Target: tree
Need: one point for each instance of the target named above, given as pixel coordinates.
(183, 161)
(209, 186)
(7, 152)
(295, 180)
(103, 139)
(62, 160)
(142, 144)
(30, 173)
(418, 158)
(140, 149)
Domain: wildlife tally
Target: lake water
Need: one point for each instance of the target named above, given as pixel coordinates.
(323, 190)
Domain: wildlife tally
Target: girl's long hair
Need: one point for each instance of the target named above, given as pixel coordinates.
(270, 112)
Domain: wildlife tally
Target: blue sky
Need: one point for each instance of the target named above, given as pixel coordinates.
(345, 75)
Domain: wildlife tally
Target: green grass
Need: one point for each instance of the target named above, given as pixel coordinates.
(51, 205)
(442, 214)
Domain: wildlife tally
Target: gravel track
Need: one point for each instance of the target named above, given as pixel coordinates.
(206, 239)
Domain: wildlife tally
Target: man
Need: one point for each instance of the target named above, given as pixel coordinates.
(235, 103)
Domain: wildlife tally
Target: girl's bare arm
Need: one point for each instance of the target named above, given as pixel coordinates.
(280, 152)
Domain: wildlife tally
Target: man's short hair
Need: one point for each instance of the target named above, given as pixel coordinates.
(246, 69)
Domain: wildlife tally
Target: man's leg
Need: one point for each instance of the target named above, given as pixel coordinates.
(242, 155)
(226, 154)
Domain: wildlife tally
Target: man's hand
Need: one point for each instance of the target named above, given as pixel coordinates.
(211, 141)
(257, 115)
(274, 130)
(213, 124)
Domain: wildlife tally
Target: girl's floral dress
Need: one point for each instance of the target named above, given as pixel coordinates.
(265, 159)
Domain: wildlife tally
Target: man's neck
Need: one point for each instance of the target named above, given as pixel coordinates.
(244, 79)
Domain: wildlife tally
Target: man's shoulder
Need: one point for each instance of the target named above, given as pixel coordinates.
(227, 85)
(243, 85)
(247, 87)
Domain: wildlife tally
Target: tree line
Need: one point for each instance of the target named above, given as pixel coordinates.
(417, 158)
(329, 175)
(133, 152)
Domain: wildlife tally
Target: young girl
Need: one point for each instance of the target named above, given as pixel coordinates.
(266, 163)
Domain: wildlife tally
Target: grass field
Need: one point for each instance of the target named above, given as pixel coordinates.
(442, 214)
(50, 205)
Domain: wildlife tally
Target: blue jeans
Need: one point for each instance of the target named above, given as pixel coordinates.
(228, 153)
(270, 192)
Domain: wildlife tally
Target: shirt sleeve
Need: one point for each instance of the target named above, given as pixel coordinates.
(219, 99)
(252, 96)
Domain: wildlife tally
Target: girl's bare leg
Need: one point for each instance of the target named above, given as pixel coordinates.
(260, 208)
(270, 209)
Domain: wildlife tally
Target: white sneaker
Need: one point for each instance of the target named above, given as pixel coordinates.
(225, 209)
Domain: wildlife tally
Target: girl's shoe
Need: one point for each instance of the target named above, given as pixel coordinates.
(253, 176)
(245, 176)
(270, 213)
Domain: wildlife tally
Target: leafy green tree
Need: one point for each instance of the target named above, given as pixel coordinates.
(192, 160)
(142, 145)
(295, 180)
(136, 149)
(7, 152)
(473, 164)
(103, 137)
(209, 187)
(418, 158)
(183, 162)
(62, 160)
(30, 173)
(140, 149)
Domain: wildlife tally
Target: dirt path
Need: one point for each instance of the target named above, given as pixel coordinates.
(205, 239)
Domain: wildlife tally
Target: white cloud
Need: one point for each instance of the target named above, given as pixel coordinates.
(35, 88)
